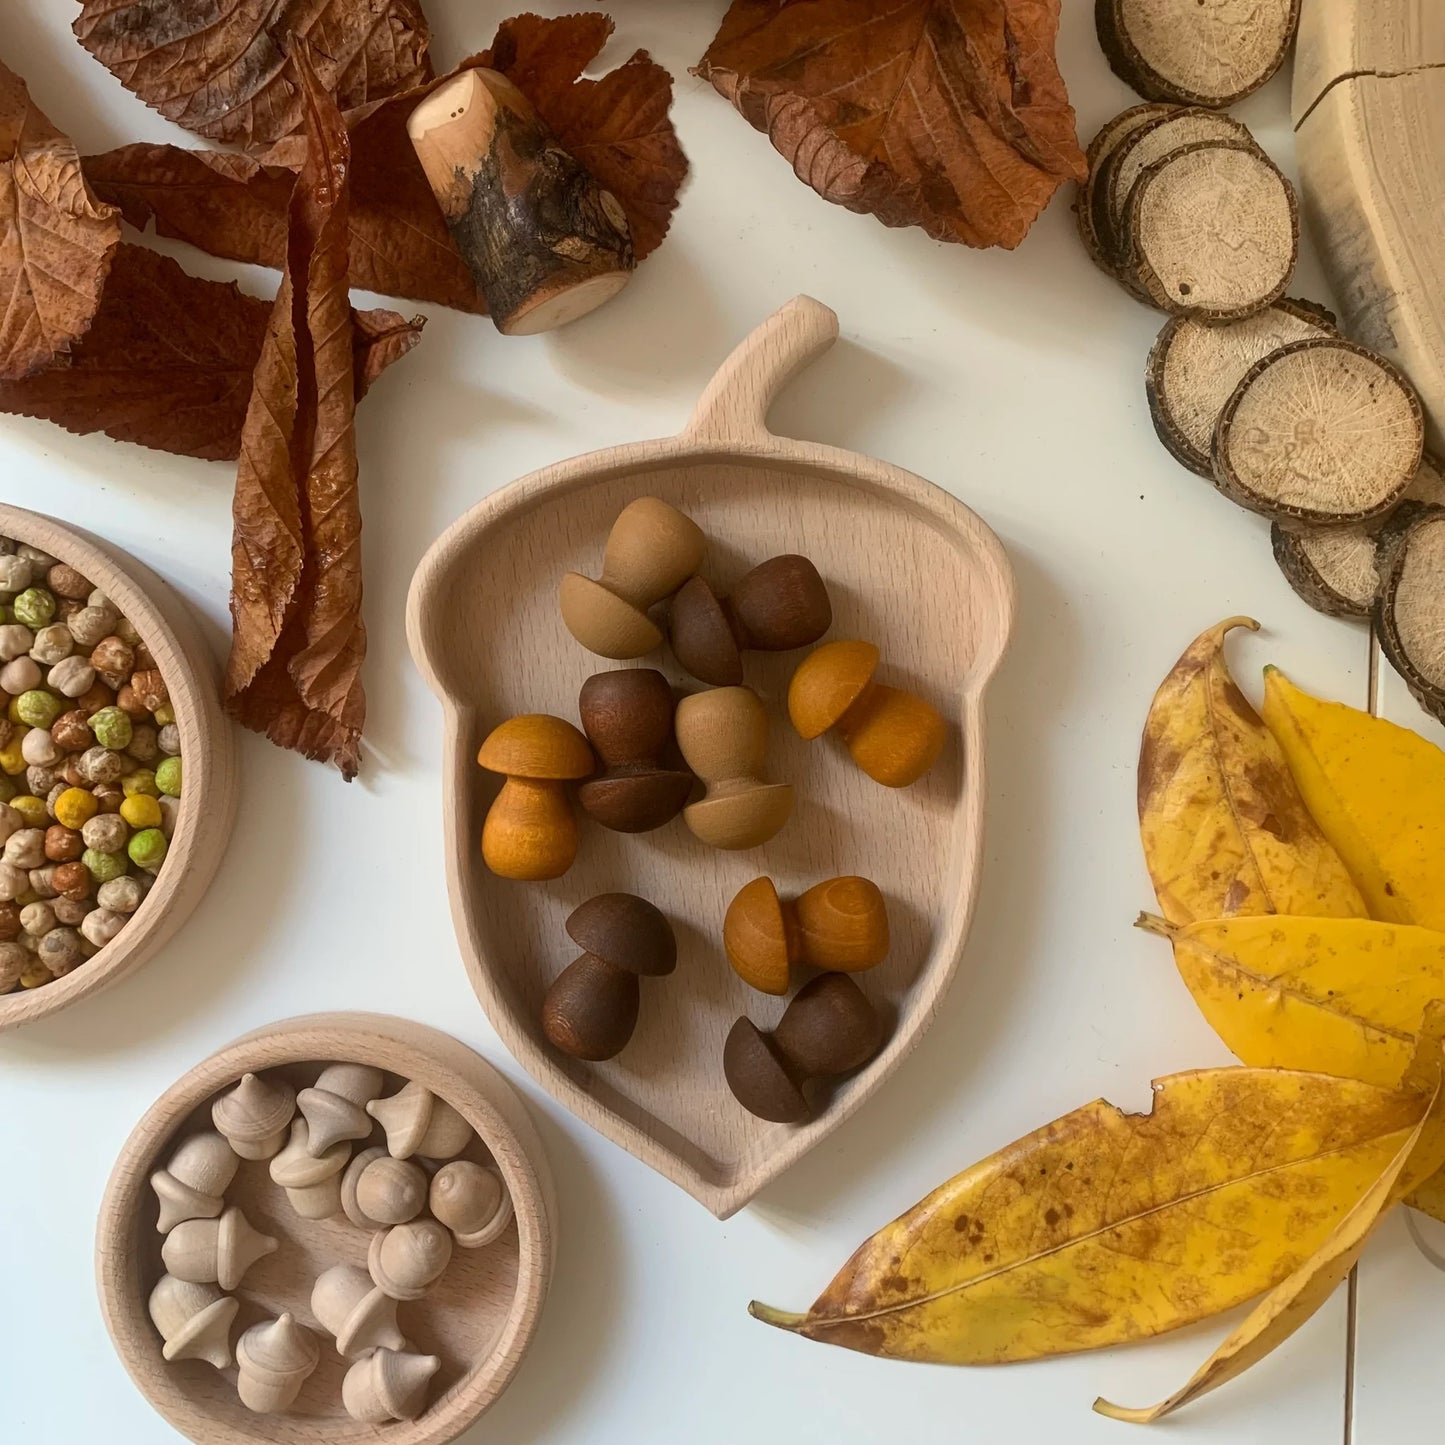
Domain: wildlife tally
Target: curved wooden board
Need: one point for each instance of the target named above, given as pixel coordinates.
(1369, 108)
(907, 566)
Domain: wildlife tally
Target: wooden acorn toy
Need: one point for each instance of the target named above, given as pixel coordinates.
(255, 1115)
(416, 1121)
(723, 735)
(273, 1360)
(350, 1177)
(388, 1385)
(627, 716)
(312, 1182)
(215, 1251)
(828, 1029)
(530, 830)
(893, 736)
(840, 925)
(651, 551)
(335, 1105)
(348, 1306)
(544, 240)
(407, 1259)
(781, 604)
(391, 1191)
(471, 1200)
(194, 1182)
(590, 1009)
(194, 1320)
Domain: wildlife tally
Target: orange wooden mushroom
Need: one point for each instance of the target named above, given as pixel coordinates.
(893, 736)
(841, 925)
(531, 831)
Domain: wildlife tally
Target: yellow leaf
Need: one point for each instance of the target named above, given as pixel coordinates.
(1338, 995)
(1104, 1227)
(1225, 830)
(1378, 793)
(1281, 1312)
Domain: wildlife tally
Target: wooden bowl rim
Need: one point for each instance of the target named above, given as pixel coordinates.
(400, 1046)
(207, 745)
(701, 445)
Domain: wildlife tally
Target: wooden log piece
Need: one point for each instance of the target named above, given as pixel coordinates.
(1111, 136)
(545, 242)
(1410, 614)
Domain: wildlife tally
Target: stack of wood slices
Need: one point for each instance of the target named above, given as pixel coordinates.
(1256, 391)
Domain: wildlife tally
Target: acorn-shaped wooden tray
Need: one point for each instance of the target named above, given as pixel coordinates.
(907, 566)
(478, 1319)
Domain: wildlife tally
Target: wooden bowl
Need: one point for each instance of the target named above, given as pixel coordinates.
(907, 566)
(479, 1318)
(207, 745)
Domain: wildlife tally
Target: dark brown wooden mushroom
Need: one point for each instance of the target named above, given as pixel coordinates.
(627, 716)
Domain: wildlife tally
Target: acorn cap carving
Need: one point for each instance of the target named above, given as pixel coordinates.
(627, 931)
(536, 745)
(254, 1115)
(193, 1182)
(349, 1205)
(335, 1105)
(471, 1200)
(756, 937)
(406, 1260)
(417, 1122)
(351, 1308)
(273, 1360)
(194, 1320)
(215, 1251)
(388, 1385)
(827, 683)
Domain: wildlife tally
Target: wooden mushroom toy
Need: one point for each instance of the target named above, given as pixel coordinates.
(417, 1122)
(312, 1182)
(590, 1010)
(350, 1307)
(530, 831)
(334, 1107)
(781, 604)
(194, 1320)
(215, 1251)
(255, 1115)
(627, 716)
(841, 925)
(893, 736)
(828, 1029)
(544, 240)
(651, 551)
(388, 1385)
(407, 1259)
(193, 1183)
(273, 1360)
(471, 1200)
(723, 735)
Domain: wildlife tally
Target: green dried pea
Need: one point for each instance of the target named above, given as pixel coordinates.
(38, 708)
(104, 866)
(34, 607)
(168, 777)
(147, 848)
(112, 728)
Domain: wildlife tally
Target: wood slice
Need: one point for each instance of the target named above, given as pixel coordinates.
(1196, 52)
(1410, 615)
(1146, 146)
(1323, 431)
(1213, 231)
(1110, 136)
(1370, 144)
(1194, 369)
(1336, 569)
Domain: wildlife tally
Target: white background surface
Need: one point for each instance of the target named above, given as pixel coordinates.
(1014, 380)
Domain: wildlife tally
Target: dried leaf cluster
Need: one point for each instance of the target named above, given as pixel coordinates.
(1299, 863)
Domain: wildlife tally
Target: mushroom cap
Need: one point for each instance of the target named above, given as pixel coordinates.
(757, 1078)
(843, 924)
(781, 604)
(627, 931)
(829, 1028)
(636, 802)
(536, 745)
(603, 622)
(627, 715)
(827, 683)
(755, 937)
(702, 638)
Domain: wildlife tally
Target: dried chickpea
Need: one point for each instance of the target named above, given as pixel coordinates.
(109, 796)
(37, 918)
(170, 814)
(39, 749)
(14, 882)
(64, 845)
(10, 822)
(14, 960)
(70, 911)
(26, 849)
(32, 812)
(98, 697)
(144, 744)
(42, 881)
(103, 866)
(113, 659)
(141, 810)
(9, 922)
(52, 644)
(128, 700)
(102, 925)
(41, 561)
(150, 687)
(71, 677)
(168, 740)
(34, 607)
(91, 624)
(16, 573)
(125, 630)
(105, 833)
(72, 881)
(39, 780)
(71, 731)
(65, 581)
(121, 895)
(100, 765)
(19, 675)
(15, 641)
(60, 951)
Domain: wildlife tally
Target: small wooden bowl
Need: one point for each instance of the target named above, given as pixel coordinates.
(479, 1318)
(907, 566)
(207, 746)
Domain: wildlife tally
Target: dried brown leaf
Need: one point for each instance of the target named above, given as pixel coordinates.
(223, 70)
(56, 239)
(168, 361)
(617, 126)
(945, 114)
(294, 671)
